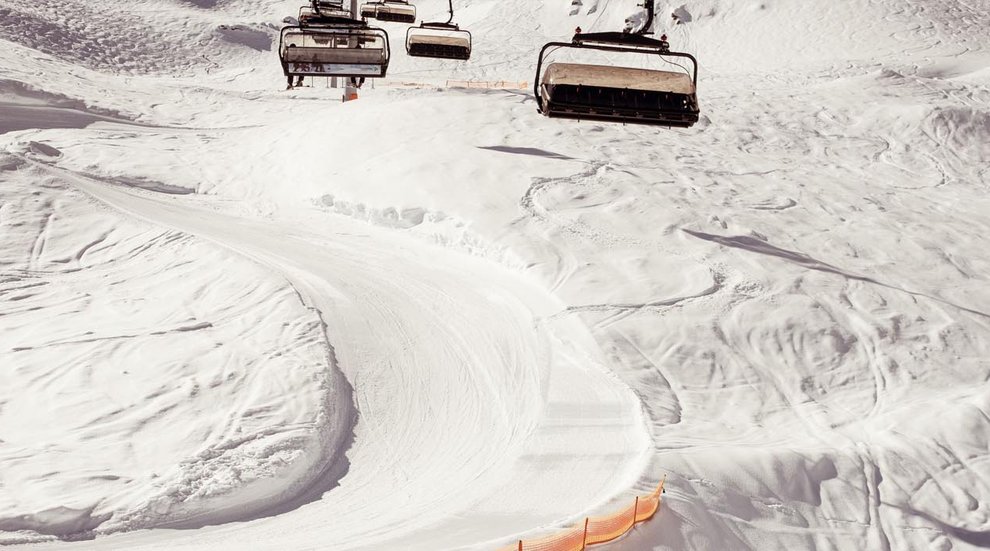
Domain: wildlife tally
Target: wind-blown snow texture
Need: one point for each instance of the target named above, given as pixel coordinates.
(431, 318)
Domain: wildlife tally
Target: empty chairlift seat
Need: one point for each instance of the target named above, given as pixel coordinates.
(438, 40)
(324, 16)
(619, 94)
(615, 92)
(398, 11)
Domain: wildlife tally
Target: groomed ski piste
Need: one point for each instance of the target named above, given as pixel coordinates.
(238, 317)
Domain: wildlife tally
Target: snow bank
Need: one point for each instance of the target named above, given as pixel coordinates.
(144, 385)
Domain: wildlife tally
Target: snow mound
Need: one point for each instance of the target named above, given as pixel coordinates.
(62, 522)
(964, 130)
(90, 402)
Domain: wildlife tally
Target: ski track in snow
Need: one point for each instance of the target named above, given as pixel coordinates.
(786, 304)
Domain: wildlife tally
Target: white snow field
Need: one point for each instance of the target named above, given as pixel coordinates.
(238, 317)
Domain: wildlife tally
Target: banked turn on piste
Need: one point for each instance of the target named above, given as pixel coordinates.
(330, 40)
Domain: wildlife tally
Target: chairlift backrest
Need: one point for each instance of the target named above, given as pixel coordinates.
(399, 11)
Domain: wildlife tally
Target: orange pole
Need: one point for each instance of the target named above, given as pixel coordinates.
(635, 510)
(584, 542)
(520, 545)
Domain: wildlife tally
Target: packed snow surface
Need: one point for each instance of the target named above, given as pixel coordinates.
(234, 316)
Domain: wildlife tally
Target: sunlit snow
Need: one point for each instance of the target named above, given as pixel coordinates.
(234, 316)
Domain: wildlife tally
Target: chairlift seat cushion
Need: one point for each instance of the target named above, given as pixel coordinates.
(432, 39)
(604, 76)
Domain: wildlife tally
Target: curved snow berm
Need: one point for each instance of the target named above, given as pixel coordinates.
(465, 417)
(473, 399)
(149, 379)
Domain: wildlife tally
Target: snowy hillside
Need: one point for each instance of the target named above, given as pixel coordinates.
(238, 317)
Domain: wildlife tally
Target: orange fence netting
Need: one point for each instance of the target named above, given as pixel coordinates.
(485, 84)
(495, 84)
(596, 530)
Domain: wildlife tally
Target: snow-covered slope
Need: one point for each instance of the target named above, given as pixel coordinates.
(431, 318)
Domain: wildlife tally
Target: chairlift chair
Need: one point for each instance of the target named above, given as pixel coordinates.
(330, 7)
(619, 94)
(398, 11)
(439, 40)
(343, 50)
(326, 13)
(308, 17)
(323, 13)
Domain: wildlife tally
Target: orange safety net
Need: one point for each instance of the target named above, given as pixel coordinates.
(570, 540)
(486, 84)
(496, 84)
(597, 530)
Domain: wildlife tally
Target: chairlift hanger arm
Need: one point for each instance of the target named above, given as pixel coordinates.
(624, 36)
(449, 24)
(450, 20)
(648, 4)
(450, 4)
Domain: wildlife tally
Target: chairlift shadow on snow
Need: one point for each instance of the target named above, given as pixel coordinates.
(527, 151)
(204, 4)
(255, 39)
(28, 117)
(753, 244)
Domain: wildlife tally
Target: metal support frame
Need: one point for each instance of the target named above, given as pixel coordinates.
(350, 91)
(650, 8)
